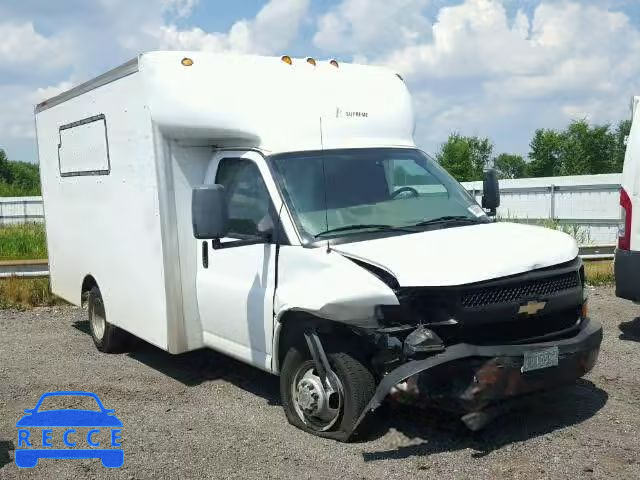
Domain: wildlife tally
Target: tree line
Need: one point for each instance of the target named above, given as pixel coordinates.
(579, 149)
(18, 179)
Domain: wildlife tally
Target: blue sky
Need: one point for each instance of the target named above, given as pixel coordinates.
(496, 68)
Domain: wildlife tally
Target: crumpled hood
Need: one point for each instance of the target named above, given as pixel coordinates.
(466, 254)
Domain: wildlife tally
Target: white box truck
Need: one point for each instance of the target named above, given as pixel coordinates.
(277, 210)
(627, 258)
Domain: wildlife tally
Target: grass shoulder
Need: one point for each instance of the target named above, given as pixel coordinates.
(23, 242)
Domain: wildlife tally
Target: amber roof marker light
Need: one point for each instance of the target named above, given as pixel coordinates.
(311, 61)
(186, 61)
(286, 59)
(334, 62)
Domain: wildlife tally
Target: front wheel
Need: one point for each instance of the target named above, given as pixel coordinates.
(330, 409)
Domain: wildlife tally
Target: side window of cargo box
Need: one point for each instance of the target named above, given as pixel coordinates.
(249, 203)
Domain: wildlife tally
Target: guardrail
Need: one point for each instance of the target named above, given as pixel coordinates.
(597, 252)
(40, 268)
(24, 268)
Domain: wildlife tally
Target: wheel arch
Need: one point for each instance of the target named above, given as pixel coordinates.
(88, 282)
(290, 329)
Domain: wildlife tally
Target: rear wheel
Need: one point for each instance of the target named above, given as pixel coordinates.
(330, 409)
(106, 337)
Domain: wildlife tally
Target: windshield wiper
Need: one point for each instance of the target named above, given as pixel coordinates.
(446, 219)
(361, 226)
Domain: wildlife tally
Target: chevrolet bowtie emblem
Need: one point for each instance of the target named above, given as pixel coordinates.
(531, 308)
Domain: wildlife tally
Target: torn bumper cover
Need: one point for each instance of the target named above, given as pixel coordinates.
(469, 378)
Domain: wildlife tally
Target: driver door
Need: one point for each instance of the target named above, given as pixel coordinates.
(235, 280)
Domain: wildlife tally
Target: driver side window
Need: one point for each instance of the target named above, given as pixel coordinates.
(248, 200)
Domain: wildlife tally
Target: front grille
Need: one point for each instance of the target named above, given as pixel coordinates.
(519, 291)
(515, 331)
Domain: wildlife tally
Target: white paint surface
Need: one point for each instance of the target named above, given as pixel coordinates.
(108, 226)
(329, 286)
(262, 102)
(631, 174)
(466, 254)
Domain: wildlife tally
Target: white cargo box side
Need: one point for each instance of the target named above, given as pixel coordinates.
(101, 199)
(121, 153)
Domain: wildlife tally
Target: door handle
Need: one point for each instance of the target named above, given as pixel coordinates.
(205, 254)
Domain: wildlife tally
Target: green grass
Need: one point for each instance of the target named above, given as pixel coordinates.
(23, 242)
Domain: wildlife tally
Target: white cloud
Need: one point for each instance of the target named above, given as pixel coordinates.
(484, 72)
(89, 37)
(16, 118)
(23, 47)
(271, 31)
(182, 8)
(365, 27)
(44, 93)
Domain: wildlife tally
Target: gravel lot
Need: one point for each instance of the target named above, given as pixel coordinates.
(202, 415)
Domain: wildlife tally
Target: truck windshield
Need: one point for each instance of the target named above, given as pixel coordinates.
(339, 193)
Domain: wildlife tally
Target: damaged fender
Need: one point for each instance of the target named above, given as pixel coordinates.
(338, 290)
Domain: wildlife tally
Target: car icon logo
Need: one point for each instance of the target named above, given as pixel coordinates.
(69, 433)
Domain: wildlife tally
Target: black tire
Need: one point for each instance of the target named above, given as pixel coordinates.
(358, 385)
(107, 338)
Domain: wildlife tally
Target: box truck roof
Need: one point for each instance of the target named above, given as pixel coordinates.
(272, 103)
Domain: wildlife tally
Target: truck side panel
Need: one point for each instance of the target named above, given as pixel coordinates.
(631, 174)
(627, 261)
(188, 165)
(102, 210)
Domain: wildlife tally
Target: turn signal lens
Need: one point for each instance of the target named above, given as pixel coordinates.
(187, 62)
(585, 309)
(287, 59)
(334, 62)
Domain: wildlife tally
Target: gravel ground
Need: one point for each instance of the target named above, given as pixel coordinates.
(202, 415)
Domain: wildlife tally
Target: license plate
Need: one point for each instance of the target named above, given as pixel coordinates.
(537, 359)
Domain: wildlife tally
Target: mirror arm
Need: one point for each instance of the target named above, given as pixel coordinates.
(216, 244)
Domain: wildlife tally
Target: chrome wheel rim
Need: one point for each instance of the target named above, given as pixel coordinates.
(96, 318)
(318, 406)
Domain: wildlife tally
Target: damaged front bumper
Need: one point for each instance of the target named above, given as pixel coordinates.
(470, 378)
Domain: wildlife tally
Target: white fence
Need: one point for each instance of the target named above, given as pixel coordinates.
(587, 202)
(21, 210)
(590, 202)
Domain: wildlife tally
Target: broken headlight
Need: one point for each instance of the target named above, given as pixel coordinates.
(422, 340)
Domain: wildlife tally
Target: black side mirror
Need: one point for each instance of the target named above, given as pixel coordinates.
(209, 214)
(491, 192)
